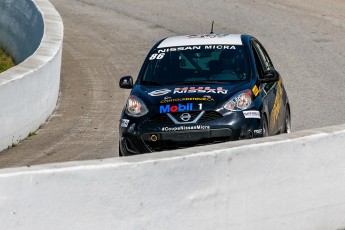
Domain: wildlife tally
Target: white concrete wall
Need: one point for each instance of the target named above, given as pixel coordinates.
(29, 91)
(292, 181)
(22, 28)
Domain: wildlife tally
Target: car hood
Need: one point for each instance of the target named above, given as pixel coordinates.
(210, 96)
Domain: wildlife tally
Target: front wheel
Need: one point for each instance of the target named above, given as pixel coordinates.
(120, 153)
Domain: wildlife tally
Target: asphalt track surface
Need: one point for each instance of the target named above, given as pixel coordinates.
(107, 39)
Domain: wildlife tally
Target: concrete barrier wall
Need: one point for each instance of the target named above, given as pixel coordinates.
(22, 28)
(293, 181)
(29, 91)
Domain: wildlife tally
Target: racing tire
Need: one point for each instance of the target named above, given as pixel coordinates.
(264, 127)
(287, 126)
(120, 153)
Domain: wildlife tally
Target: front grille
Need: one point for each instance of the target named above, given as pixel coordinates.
(193, 114)
(207, 116)
(162, 118)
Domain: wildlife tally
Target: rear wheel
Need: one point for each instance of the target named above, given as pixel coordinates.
(287, 128)
(264, 126)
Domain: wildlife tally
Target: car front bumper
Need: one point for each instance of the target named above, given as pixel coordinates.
(148, 137)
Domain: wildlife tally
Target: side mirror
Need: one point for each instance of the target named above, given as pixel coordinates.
(271, 75)
(126, 82)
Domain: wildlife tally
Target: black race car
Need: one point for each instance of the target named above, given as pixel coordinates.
(200, 89)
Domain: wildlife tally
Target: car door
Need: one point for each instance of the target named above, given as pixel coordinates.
(273, 90)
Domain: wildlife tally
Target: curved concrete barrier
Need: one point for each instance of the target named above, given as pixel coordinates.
(32, 33)
(293, 181)
(22, 28)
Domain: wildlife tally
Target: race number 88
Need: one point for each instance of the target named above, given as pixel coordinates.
(156, 56)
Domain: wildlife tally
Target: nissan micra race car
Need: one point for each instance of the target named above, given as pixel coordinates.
(200, 89)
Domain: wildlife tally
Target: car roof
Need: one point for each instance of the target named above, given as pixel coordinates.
(202, 39)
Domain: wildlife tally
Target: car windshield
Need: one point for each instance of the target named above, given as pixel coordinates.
(196, 65)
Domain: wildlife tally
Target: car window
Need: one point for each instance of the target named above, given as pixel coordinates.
(258, 63)
(261, 64)
(202, 63)
(264, 56)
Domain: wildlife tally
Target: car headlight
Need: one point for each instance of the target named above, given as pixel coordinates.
(135, 107)
(241, 101)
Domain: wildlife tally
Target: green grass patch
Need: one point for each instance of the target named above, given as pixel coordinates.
(6, 61)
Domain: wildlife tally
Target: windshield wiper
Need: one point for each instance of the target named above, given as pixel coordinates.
(151, 83)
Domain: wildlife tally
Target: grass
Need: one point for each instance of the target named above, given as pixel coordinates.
(6, 61)
(31, 134)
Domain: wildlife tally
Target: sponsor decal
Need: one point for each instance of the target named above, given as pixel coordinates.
(255, 90)
(160, 52)
(172, 49)
(175, 108)
(124, 123)
(206, 98)
(159, 92)
(206, 89)
(184, 128)
(206, 36)
(220, 47)
(277, 105)
(251, 114)
(185, 116)
(258, 131)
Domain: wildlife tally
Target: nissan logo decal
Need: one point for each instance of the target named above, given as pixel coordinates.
(185, 116)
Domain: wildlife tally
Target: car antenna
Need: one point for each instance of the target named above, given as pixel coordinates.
(212, 28)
